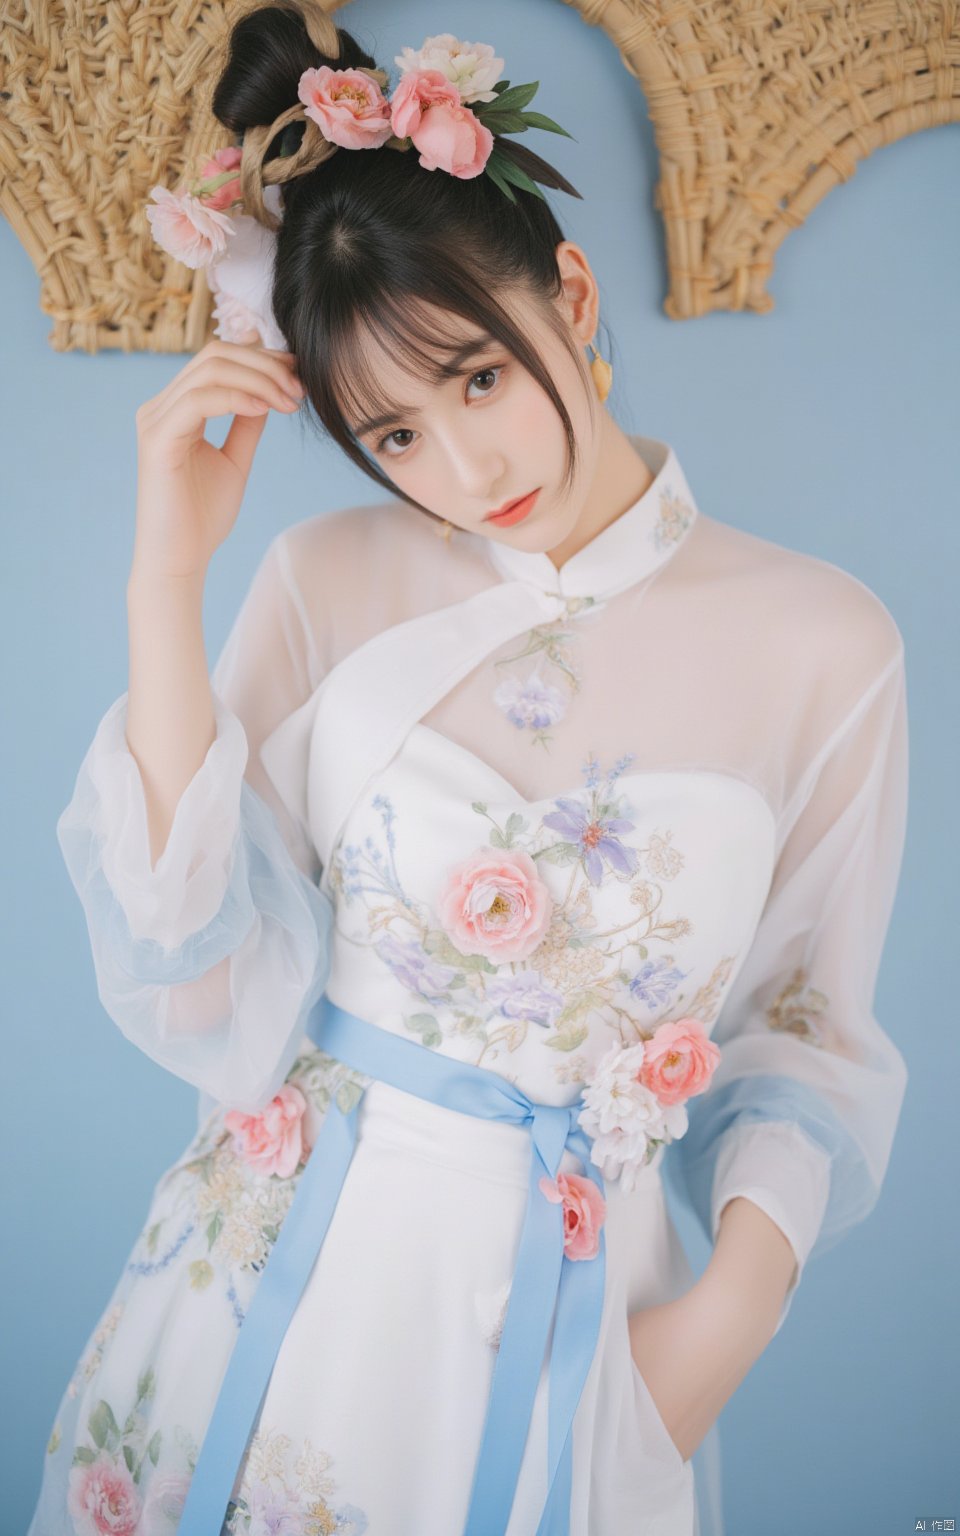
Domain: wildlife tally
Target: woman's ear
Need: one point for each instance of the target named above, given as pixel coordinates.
(581, 295)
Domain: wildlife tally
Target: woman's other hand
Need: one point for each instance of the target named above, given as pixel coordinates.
(693, 1352)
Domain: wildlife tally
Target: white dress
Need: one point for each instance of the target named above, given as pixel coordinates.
(698, 741)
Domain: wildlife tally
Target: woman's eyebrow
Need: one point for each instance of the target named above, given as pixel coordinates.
(446, 370)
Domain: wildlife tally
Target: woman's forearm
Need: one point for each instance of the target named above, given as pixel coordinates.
(754, 1260)
(170, 718)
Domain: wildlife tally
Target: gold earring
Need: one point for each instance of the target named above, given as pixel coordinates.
(447, 530)
(602, 373)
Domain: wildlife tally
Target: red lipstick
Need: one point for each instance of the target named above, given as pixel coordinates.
(514, 511)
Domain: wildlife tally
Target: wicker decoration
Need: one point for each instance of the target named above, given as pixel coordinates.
(758, 111)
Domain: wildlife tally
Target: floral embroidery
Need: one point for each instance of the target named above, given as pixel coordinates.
(495, 904)
(112, 1485)
(581, 971)
(272, 1141)
(795, 1005)
(674, 519)
(592, 831)
(289, 1489)
(531, 701)
(223, 1189)
(93, 1359)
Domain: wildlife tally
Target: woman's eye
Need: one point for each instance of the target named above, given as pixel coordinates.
(485, 373)
(389, 440)
(382, 445)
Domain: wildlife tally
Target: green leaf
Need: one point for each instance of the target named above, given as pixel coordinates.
(538, 120)
(561, 853)
(101, 1422)
(83, 1455)
(153, 1447)
(512, 173)
(498, 180)
(213, 1228)
(500, 87)
(426, 1026)
(517, 97)
(569, 1039)
(146, 1384)
(348, 1095)
(480, 806)
(515, 823)
(129, 1458)
(503, 122)
(497, 838)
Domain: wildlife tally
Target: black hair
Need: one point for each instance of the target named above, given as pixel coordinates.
(371, 239)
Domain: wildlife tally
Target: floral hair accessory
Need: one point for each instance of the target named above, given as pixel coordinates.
(636, 1097)
(449, 105)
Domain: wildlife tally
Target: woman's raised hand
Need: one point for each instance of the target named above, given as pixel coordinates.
(189, 491)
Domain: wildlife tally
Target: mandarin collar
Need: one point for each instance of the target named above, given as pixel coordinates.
(633, 546)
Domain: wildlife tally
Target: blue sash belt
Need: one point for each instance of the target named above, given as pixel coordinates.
(544, 1279)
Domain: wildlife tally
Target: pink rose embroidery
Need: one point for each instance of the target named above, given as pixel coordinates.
(426, 107)
(272, 1141)
(679, 1061)
(584, 1212)
(102, 1499)
(495, 904)
(348, 107)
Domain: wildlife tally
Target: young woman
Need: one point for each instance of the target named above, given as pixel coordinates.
(534, 837)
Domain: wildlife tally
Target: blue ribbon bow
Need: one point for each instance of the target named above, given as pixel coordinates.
(544, 1277)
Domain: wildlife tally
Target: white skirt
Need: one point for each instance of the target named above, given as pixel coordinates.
(373, 1415)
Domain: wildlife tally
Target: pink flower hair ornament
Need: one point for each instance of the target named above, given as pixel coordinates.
(449, 106)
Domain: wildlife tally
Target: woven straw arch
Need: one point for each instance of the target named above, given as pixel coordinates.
(758, 111)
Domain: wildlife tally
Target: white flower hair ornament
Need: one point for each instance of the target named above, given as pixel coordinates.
(449, 105)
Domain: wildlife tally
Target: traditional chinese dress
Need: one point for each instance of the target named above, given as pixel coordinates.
(675, 773)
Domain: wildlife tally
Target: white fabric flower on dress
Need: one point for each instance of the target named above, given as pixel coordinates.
(624, 1118)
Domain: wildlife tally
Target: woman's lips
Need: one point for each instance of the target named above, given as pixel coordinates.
(515, 513)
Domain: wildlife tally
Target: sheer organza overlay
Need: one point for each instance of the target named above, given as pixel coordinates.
(683, 647)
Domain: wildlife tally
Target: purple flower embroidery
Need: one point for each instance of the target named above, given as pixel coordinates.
(596, 836)
(654, 982)
(414, 968)
(530, 702)
(525, 996)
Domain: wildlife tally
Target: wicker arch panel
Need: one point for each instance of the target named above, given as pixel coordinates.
(757, 112)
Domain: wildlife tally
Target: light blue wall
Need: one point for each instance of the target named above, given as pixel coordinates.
(830, 426)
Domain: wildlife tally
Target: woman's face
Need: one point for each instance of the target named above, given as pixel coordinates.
(467, 445)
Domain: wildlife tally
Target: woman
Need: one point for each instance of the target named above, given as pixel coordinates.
(535, 835)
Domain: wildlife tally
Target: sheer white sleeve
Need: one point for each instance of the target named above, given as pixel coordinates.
(210, 961)
(801, 1112)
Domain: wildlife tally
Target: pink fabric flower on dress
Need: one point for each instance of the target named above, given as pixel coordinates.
(426, 108)
(228, 192)
(348, 107)
(679, 1061)
(495, 904)
(187, 228)
(272, 1141)
(102, 1499)
(584, 1212)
